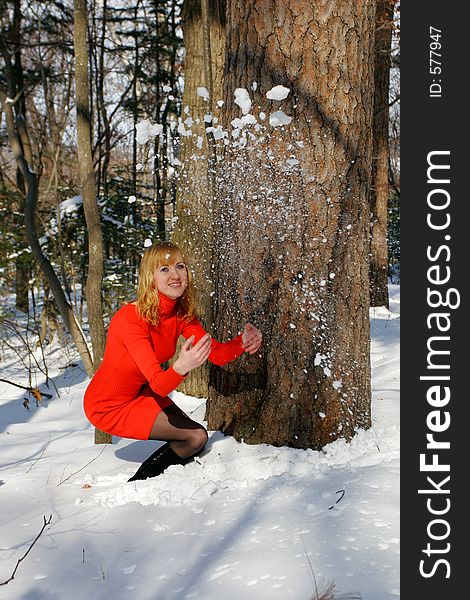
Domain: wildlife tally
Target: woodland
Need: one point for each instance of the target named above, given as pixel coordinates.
(261, 136)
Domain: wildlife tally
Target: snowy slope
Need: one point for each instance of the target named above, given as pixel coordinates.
(246, 522)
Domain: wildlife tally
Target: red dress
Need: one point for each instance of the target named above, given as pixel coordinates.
(130, 387)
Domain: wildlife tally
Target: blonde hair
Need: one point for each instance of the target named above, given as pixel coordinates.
(162, 253)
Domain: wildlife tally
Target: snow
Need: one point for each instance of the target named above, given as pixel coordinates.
(203, 93)
(278, 92)
(70, 206)
(145, 131)
(183, 131)
(241, 521)
(243, 122)
(278, 118)
(242, 99)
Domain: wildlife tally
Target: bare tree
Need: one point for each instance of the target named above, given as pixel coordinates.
(21, 147)
(92, 216)
(379, 191)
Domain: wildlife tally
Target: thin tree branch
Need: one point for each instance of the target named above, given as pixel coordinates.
(84, 466)
(12, 576)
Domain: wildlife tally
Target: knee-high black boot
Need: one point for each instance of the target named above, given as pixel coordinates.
(155, 464)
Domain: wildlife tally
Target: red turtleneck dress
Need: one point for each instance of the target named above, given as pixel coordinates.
(130, 387)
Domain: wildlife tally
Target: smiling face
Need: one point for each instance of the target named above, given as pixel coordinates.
(171, 277)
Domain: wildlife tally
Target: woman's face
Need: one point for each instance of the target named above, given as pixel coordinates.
(171, 278)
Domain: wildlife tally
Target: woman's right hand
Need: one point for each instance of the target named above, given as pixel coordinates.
(191, 356)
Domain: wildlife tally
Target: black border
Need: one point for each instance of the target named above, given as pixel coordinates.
(433, 124)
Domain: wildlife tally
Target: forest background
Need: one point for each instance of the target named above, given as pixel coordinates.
(126, 122)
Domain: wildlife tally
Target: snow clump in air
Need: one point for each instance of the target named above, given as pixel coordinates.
(242, 98)
(278, 118)
(145, 131)
(203, 93)
(278, 92)
(243, 122)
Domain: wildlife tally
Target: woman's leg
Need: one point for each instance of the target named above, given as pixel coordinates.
(186, 436)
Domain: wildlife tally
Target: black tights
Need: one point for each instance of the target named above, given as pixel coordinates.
(186, 436)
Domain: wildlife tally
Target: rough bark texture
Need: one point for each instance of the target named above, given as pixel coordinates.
(293, 238)
(380, 157)
(194, 202)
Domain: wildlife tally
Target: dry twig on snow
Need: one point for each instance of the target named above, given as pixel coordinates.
(12, 576)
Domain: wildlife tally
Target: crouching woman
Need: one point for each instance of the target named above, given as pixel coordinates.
(128, 395)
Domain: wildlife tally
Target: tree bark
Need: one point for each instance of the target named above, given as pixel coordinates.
(293, 238)
(90, 206)
(15, 84)
(195, 194)
(380, 158)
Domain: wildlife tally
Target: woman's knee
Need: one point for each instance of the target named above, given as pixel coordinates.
(197, 439)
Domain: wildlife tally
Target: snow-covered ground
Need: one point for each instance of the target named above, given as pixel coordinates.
(245, 522)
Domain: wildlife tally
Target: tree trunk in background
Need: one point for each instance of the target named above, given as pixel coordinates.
(90, 206)
(16, 85)
(31, 184)
(293, 238)
(194, 203)
(380, 157)
(20, 143)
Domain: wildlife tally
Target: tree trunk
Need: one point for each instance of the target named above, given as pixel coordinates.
(380, 156)
(293, 238)
(194, 194)
(64, 307)
(90, 206)
(18, 137)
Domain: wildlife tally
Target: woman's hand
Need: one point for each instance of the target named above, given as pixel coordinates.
(191, 356)
(251, 339)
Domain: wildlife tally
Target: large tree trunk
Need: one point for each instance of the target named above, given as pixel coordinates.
(293, 238)
(195, 192)
(90, 206)
(380, 156)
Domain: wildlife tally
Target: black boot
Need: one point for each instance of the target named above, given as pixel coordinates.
(158, 462)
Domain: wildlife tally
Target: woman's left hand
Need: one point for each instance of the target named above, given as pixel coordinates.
(251, 339)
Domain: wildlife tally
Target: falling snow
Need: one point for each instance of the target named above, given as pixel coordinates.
(278, 92)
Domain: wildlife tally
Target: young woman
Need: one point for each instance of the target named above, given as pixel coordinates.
(128, 395)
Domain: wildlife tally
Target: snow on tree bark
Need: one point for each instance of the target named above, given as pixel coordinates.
(292, 232)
